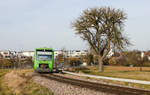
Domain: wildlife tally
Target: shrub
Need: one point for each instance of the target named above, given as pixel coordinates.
(112, 61)
(131, 58)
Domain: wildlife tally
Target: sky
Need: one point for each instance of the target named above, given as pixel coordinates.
(29, 24)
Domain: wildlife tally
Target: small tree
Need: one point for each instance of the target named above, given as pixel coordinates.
(102, 29)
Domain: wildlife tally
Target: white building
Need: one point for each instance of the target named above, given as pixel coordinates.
(71, 53)
(77, 53)
(110, 54)
(57, 52)
(145, 54)
(8, 53)
(27, 53)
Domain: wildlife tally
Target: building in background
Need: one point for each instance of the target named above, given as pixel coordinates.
(145, 54)
(70, 53)
(28, 53)
(8, 54)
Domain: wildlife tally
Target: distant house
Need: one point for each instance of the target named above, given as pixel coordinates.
(146, 54)
(26, 54)
(77, 53)
(57, 52)
(110, 54)
(71, 53)
(7, 54)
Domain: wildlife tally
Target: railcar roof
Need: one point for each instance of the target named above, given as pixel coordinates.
(44, 49)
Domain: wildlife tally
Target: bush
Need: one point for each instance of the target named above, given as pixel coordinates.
(131, 58)
(112, 61)
(5, 63)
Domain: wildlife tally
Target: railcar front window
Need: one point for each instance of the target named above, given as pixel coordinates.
(44, 57)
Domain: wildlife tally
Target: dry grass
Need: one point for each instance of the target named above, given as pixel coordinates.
(122, 68)
(19, 82)
(4, 90)
(121, 72)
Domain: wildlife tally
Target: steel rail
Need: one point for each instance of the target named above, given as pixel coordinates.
(113, 89)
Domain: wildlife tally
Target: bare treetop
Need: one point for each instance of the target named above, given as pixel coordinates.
(102, 28)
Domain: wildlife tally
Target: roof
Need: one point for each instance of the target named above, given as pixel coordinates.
(147, 53)
(44, 49)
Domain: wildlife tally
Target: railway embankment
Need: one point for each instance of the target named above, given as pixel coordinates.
(27, 82)
(60, 86)
(19, 82)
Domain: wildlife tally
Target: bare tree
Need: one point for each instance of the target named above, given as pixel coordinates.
(102, 29)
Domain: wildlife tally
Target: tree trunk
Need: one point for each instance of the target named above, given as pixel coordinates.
(101, 67)
(141, 65)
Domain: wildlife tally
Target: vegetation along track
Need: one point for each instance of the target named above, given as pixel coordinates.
(118, 90)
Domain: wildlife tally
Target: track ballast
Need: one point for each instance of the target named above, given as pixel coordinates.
(118, 90)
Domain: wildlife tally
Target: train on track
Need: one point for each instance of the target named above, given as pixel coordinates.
(44, 60)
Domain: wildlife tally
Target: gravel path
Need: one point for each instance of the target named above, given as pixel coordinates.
(65, 89)
(102, 81)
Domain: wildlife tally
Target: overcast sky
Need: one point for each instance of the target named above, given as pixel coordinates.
(29, 24)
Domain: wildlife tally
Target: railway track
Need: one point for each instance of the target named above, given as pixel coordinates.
(117, 90)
